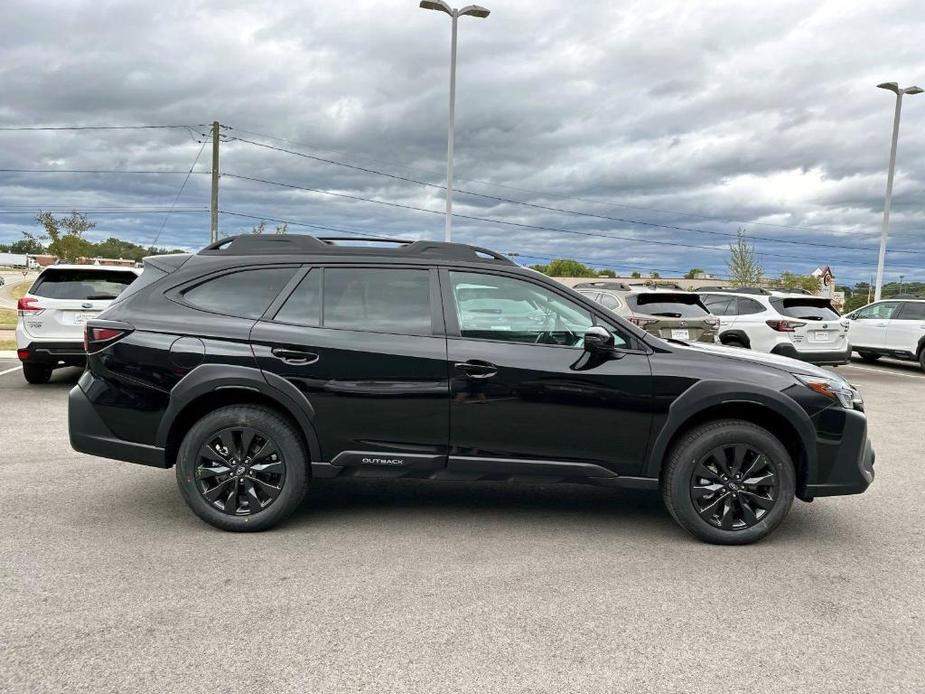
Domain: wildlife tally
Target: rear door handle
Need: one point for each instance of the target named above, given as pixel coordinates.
(294, 356)
(477, 369)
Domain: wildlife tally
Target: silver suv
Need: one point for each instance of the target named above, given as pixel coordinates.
(663, 310)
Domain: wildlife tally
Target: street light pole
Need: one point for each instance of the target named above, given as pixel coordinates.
(885, 226)
(470, 11)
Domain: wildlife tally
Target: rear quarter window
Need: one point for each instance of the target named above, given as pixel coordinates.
(912, 310)
(82, 285)
(149, 276)
(245, 293)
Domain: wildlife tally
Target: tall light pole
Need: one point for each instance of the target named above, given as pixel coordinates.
(468, 11)
(885, 227)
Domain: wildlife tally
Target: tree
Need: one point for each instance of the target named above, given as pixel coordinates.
(606, 273)
(692, 273)
(566, 267)
(654, 275)
(540, 268)
(262, 227)
(744, 269)
(792, 280)
(65, 234)
(635, 275)
(28, 245)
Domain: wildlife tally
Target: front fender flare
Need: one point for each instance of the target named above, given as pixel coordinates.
(710, 393)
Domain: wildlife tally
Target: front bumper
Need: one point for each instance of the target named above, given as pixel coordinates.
(823, 358)
(53, 353)
(89, 434)
(845, 457)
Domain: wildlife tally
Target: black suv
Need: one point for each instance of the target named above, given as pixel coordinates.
(262, 362)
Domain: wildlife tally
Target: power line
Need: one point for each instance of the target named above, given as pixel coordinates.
(500, 221)
(302, 224)
(108, 210)
(546, 195)
(20, 128)
(97, 171)
(179, 192)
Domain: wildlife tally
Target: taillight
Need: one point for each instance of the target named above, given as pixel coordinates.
(23, 354)
(785, 326)
(28, 306)
(640, 321)
(97, 338)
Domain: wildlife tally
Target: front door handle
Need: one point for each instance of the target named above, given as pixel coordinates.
(295, 356)
(477, 369)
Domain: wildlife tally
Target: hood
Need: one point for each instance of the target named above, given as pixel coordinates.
(746, 355)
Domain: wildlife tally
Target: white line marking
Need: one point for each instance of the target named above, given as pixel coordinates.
(9, 371)
(886, 372)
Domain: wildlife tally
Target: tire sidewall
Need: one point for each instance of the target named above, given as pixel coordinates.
(263, 421)
(686, 458)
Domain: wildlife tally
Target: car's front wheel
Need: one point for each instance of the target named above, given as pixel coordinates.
(36, 373)
(729, 482)
(242, 468)
(869, 357)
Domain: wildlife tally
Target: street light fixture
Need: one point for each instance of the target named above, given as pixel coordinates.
(468, 11)
(885, 227)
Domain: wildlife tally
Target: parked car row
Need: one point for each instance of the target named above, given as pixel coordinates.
(790, 324)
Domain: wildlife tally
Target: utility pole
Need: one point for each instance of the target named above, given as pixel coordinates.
(214, 226)
(888, 199)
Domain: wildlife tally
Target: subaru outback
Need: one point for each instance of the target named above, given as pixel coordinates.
(261, 363)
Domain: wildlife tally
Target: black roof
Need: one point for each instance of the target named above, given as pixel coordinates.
(303, 244)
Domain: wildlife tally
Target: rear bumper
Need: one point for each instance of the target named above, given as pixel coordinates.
(54, 353)
(830, 358)
(89, 434)
(845, 463)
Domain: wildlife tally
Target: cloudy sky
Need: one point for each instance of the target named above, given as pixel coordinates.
(653, 129)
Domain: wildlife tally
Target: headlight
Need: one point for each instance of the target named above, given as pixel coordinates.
(835, 389)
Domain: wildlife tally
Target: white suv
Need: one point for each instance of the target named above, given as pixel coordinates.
(891, 328)
(52, 314)
(793, 325)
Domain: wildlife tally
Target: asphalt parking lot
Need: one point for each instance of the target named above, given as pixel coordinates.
(110, 584)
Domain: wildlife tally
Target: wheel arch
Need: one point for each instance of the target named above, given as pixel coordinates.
(763, 407)
(739, 335)
(211, 386)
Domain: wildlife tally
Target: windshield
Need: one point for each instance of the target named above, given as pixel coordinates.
(82, 284)
(807, 308)
(667, 304)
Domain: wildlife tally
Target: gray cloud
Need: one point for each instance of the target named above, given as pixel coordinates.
(706, 116)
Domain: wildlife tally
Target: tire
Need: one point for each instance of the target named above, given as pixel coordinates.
(36, 374)
(922, 359)
(869, 357)
(735, 342)
(227, 428)
(680, 485)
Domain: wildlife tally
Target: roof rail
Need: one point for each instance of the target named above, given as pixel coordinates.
(288, 244)
(654, 284)
(736, 290)
(603, 284)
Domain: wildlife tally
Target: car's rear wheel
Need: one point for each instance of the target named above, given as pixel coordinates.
(735, 342)
(869, 357)
(729, 482)
(922, 359)
(36, 373)
(242, 468)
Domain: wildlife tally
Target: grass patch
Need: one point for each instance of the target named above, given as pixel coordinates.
(7, 345)
(19, 291)
(7, 318)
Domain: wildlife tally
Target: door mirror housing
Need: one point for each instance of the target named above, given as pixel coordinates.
(598, 340)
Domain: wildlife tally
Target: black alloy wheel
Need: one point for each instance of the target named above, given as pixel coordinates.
(734, 486)
(243, 468)
(240, 471)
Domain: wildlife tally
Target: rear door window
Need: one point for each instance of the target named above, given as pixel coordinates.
(609, 301)
(912, 310)
(378, 300)
(667, 304)
(82, 285)
(806, 308)
(245, 293)
(303, 307)
(746, 307)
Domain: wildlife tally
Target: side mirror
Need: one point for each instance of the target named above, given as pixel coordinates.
(851, 316)
(598, 340)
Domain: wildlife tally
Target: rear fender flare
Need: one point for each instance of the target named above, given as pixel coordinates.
(208, 378)
(706, 394)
